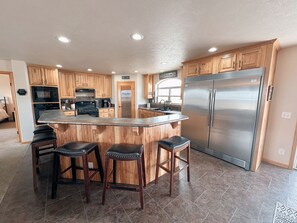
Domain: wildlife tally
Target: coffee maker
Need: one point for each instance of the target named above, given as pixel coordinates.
(106, 103)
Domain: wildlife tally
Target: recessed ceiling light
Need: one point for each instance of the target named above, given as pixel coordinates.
(163, 63)
(113, 72)
(59, 66)
(135, 71)
(64, 39)
(161, 70)
(212, 49)
(137, 36)
(89, 69)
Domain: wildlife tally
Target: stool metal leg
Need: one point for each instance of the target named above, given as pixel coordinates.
(105, 179)
(139, 167)
(157, 164)
(86, 177)
(188, 159)
(172, 171)
(99, 163)
(34, 167)
(73, 169)
(114, 169)
(55, 175)
(143, 170)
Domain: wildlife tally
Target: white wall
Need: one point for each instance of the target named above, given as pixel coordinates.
(138, 79)
(5, 91)
(280, 132)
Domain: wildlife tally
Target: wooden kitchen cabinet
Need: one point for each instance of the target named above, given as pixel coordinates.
(43, 76)
(227, 62)
(148, 86)
(103, 86)
(143, 113)
(67, 84)
(250, 58)
(193, 69)
(106, 112)
(83, 80)
(201, 67)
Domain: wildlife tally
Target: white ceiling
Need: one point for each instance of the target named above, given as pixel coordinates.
(174, 31)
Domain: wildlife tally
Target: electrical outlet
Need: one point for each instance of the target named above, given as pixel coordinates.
(90, 164)
(281, 151)
(286, 115)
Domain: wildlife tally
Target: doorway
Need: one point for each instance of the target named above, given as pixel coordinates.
(8, 114)
(126, 99)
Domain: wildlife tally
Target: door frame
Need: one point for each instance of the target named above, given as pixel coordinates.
(132, 85)
(13, 94)
(293, 150)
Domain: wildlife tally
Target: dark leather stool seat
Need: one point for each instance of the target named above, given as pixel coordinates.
(125, 152)
(174, 142)
(173, 145)
(42, 144)
(43, 136)
(75, 150)
(42, 129)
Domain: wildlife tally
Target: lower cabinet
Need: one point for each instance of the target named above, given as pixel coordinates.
(106, 112)
(143, 113)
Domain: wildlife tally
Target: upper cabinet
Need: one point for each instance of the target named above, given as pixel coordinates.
(227, 62)
(43, 76)
(200, 67)
(84, 80)
(103, 86)
(239, 59)
(67, 84)
(148, 85)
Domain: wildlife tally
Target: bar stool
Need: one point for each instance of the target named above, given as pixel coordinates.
(43, 129)
(125, 152)
(173, 145)
(75, 150)
(41, 142)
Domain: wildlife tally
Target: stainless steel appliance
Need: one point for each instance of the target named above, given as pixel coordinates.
(85, 94)
(45, 94)
(223, 113)
(40, 108)
(87, 107)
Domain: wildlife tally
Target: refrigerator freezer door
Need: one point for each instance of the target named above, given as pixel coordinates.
(235, 103)
(196, 102)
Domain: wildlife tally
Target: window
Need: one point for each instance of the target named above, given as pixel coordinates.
(169, 90)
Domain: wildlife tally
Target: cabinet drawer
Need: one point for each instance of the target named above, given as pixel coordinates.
(69, 113)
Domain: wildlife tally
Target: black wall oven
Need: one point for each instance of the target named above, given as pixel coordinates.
(45, 94)
(40, 108)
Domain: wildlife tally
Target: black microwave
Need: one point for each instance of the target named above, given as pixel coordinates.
(45, 94)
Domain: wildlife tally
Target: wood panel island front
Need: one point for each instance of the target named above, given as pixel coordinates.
(109, 131)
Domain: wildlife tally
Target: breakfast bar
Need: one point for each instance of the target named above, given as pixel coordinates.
(108, 131)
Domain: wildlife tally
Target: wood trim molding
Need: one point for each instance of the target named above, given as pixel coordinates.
(293, 150)
(60, 127)
(275, 163)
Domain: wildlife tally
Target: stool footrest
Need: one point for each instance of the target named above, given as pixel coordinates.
(164, 168)
(178, 157)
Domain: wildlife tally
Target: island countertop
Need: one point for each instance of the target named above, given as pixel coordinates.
(58, 117)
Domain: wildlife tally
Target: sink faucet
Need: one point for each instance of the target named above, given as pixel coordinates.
(164, 102)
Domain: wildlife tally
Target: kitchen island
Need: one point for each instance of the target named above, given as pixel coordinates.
(108, 131)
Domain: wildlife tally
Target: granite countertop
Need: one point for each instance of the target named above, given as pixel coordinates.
(58, 117)
(167, 112)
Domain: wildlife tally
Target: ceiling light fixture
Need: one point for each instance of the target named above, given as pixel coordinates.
(212, 49)
(164, 63)
(59, 66)
(113, 72)
(137, 36)
(90, 70)
(135, 71)
(64, 39)
(161, 70)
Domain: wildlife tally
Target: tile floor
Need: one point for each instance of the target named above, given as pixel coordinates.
(218, 192)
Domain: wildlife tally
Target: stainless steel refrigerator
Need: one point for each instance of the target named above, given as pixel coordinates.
(223, 112)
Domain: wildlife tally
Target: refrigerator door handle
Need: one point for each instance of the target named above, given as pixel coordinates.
(209, 107)
(213, 106)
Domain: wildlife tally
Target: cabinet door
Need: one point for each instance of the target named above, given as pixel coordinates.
(36, 75)
(250, 59)
(67, 84)
(205, 67)
(193, 69)
(148, 86)
(111, 113)
(107, 86)
(51, 77)
(227, 62)
(99, 85)
(84, 80)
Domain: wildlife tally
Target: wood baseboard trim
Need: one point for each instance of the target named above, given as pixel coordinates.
(275, 163)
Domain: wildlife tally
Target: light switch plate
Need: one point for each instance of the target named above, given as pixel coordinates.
(90, 164)
(286, 115)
